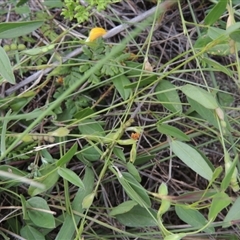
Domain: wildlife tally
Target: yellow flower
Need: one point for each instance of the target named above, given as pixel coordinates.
(95, 33)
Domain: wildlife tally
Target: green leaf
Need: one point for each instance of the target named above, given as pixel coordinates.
(200, 95)
(22, 10)
(17, 29)
(60, 132)
(132, 158)
(24, 207)
(11, 182)
(165, 204)
(220, 201)
(217, 171)
(222, 49)
(172, 131)
(216, 12)
(83, 68)
(232, 214)
(19, 103)
(231, 29)
(134, 189)
(120, 82)
(67, 156)
(11, 169)
(225, 99)
(53, 4)
(228, 175)
(70, 176)
(90, 153)
(235, 35)
(21, 2)
(118, 152)
(69, 225)
(138, 217)
(5, 67)
(138, 188)
(26, 116)
(205, 113)
(168, 96)
(91, 127)
(140, 160)
(193, 218)
(202, 41)
(133, 69)
(29, 232)
(217, 33)
(40, 218)
(133, 170)
(177, 236)
(107, 70)
(192, 159)
(88, 200)
(144, 82)
(83, 113)
(217, 66)
(163, 189)
(123, 208)
(46, 156)
(49, 178)
(39, 50)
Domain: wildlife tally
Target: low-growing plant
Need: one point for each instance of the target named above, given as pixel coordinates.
(82, 12)
(145, 141)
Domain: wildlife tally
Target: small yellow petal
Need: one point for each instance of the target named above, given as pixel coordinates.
(96, 33)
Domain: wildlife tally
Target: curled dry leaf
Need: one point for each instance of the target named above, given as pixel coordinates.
(147, 65)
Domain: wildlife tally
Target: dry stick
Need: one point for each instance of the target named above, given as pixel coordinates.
(163, 7)
(103, 96)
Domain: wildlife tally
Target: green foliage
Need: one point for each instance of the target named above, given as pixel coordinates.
(193, 217)
(216, 12)
(172, 131)
(65, 132)
(71, 177)
(134, 190)
(6, 68)
(23, 151)
(48, 176)
(192, 159)
(138, 217)
(73, 10)
(17, 29)
(30, 232)
(168, 96)
(40, 218)
(92, 53)
(233, 213)
(68, 227)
